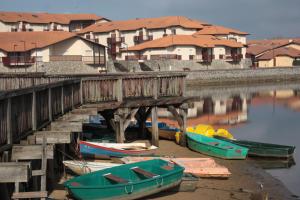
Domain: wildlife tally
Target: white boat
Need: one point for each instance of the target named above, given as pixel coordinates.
(82, 167)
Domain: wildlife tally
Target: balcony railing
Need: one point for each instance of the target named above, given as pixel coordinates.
(165, 57)
(114, 40)
(233, 57)
(196, 57)
(18, 60)
(136, 57)
(91, 60)
(207, 58)
(142, 38)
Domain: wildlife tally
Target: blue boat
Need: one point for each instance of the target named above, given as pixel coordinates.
(165, 131)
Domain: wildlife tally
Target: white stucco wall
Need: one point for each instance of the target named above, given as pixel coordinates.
(6, 27)
(38, 27)
(2, 54)
(219, 50)
(74, 46)
(43, 53)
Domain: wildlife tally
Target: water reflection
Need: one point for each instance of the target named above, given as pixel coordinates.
(258, 113)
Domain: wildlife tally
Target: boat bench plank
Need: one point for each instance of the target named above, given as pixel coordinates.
(28, 195)
(144, 172)
(115, 178)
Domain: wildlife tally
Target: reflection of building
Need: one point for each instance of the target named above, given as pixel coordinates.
(214, 111)
(289, 98)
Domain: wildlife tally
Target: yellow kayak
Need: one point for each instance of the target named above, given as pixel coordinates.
(205, 130)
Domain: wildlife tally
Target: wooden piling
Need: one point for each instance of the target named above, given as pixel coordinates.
(155, 135)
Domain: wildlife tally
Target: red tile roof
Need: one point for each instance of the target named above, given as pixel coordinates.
(42, 39)
(183, 40)
(256, 47)
(149, 23)
(283, 51)
(219, 30)
(44, 18)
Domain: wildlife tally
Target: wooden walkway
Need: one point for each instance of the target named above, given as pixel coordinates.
(29, 103)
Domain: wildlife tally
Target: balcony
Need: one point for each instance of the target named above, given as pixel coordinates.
(90, 60)
(233, 57)
(207, 58)
(142, 38)
(115, 40)
(136, 57)
(165, 57)
(18, 60)
(196, 57)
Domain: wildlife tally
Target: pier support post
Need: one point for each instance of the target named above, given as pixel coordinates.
(183, 111)
(62, 100)
(33, 109)
(155, 136)
(119, 126)
(181, 119)
(50, 104)
(8, 122)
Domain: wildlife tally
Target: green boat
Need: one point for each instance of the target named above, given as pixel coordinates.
(215, 147)
(129, 181)
(263, 149)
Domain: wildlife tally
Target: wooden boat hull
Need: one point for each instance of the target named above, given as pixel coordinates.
(79, 167)
(89, 148)
(215, 147)
(263, 149)
(94, 186)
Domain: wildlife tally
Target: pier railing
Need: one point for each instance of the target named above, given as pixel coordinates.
(29, 102)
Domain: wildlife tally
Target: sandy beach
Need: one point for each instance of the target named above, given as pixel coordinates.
(248, 181)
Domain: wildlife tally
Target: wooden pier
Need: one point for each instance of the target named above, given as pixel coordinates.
(38, 110)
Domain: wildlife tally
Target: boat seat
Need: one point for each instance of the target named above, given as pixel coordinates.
(213, 143)
(144, 172)
(228, 147)
(115, 178)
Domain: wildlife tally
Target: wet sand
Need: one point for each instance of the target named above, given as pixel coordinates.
(246, 182)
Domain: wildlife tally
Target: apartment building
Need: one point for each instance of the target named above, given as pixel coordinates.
(24, 49)
(152, 38)
(204, 48)
(22, 21)
(274, 53)
(119, 35)
(223, 33)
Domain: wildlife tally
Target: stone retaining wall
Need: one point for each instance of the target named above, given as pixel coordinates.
(244, 75)
(59, 67)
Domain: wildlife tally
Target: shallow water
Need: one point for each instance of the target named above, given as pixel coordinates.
(266, 113)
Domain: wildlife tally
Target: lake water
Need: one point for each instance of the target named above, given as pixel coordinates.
(265, 113)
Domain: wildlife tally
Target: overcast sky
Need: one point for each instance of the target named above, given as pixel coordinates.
(261, 18)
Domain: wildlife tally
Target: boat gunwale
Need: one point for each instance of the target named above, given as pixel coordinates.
(168, 173)
(122, 184)
(236, 147)
(116, 150)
